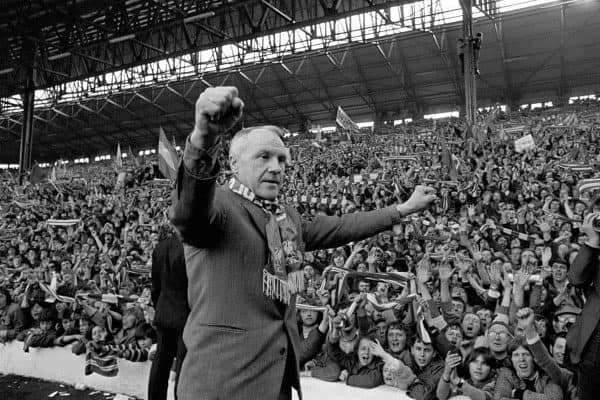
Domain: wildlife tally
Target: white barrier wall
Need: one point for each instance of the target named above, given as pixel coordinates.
(59, 364)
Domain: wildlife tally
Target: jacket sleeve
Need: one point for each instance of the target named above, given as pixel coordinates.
(311, 346)
(420, 390)
(156, 275)
(46, 339)
(371, 379)
(584, 267)
(504, 385)
(194, 212)
(547, 364)
(328, 232)
(18, 322)
(551, 392)
(344, 360)
(78, 347)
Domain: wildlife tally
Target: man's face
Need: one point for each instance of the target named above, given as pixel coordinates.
(471, 325)
(396, 340)
(454, 336)
(381, 328)
(558, 350)
(458, 308)
(515, 255)
(559, 272)
(308, 317)
(260, 163)
(84, 326)
(364, 352)
(45, 325)
(363, 287)
(498, 338)
(523, 363)
(422, 353)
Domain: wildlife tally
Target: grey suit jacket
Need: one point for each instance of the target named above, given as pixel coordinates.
(585, 273)
(237, 339)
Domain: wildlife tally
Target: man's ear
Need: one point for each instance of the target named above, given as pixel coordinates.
(233, 165)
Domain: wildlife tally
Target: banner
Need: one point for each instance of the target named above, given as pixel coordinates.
(570, 120)
(119, 157)
(168, 159)
(344, 121)
(524, 143)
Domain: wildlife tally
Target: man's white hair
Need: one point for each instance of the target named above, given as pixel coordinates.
(239, 139)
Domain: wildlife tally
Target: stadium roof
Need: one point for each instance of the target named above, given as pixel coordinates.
(113, 72)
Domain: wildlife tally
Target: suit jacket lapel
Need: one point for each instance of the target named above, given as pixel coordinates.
(257, 216)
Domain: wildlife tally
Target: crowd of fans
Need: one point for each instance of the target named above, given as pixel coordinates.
(470, 297)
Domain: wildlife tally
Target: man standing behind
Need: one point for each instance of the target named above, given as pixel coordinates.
(244, 253)
(169, 296)
(583, 340)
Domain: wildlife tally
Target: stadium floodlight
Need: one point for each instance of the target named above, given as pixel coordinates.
(198, 17)
(6, 71)
(121, 38)
(59, 56)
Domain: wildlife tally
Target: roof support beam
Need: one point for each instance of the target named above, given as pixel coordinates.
(508, 87)
(442, 46)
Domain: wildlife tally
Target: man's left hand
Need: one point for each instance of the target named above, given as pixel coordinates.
(420, 199)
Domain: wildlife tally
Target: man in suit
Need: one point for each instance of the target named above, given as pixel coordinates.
(583, 339)
(244, 252)
(169, 296)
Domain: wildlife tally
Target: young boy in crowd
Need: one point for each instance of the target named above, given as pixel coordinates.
(43, 336)
(85, 335)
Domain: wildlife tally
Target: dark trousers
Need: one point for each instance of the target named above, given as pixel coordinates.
(588, 383)
(169, 346)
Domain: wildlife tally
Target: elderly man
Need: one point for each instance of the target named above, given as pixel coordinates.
(244, 253)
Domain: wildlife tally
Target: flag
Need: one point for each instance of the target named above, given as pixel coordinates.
(570, 120)
(133, 157)
(37, 175)
(53, 175)
(167, 157)
(448, 162)
(344, 121)
(119, 160)
(319, 136)
(501, 133)
(422, 331)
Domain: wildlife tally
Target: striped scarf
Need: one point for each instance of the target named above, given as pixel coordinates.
(283, 277)
(102, 363)
(520, 235)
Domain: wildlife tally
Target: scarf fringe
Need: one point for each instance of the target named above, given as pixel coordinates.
(276, 288)
(295, 281)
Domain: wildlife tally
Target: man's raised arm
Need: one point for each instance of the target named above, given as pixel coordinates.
(193, 212)
(327, 232)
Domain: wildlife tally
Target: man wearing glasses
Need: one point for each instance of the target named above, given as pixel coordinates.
(498, 336)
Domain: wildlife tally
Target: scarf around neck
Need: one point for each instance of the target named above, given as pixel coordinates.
(283, 276)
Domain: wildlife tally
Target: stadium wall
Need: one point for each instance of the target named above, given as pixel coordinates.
(60, 365)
